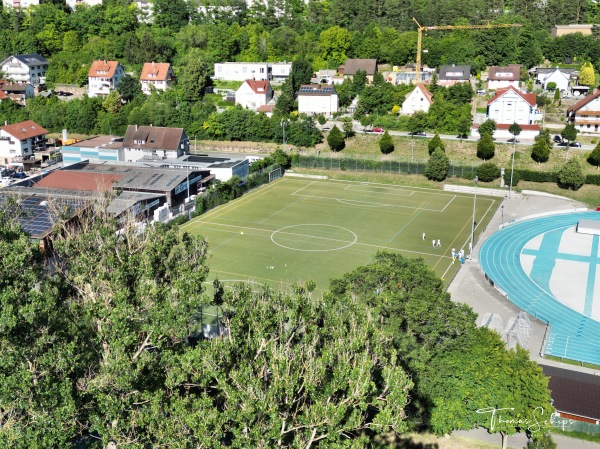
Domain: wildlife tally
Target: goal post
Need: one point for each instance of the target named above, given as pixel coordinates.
(275, 174)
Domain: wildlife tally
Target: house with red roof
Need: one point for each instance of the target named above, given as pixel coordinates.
(254, 93)
(510, 106)
(157, 75)
(418, 100)
(103, 77)
(585, 114)
(19, 141)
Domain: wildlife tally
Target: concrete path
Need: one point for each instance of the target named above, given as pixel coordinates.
(470, 287)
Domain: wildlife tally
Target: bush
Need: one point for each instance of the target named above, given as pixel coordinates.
(515, 179)
(335, 139)
(488, 171)
(551, 85)
(570, 176)
(486, 147)
(386, 144)
(434, 143)
(438, 165)
(540, 152)
(594, 157)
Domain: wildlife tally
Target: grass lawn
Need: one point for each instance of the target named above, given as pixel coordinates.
(298, 229)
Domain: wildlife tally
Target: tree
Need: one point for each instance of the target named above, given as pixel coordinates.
(488, 171)
(194, 78)
(434, 143)
(551, 85)
(170, 14)
(594, 157)
(386, 144)
(347, 126)
(417, 122)
(486, 147)
(129, 88)
(112, 102)
(464, 123)
(437, 166)
(335, 42)
(540, 151)
(587, 75)
(487, 128)
(335, 139)
(570, 175)
(300, 74)
(285, 101)
(515, 130)
(541, 441)
(569, 133)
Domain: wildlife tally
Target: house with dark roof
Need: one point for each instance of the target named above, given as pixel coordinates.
(503, 77)
(19, 141)
(156, 75)
(17, 92)
(103, 77)
(559, 75)
(585, 114)
(418, 100)
(252, 94)
(349, 69)
(321, 99)
(154, 143)
(449, 75)
(510, 106)
(27, 69)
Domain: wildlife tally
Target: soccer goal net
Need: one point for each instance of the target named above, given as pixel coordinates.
(275, 174)
(518, 331)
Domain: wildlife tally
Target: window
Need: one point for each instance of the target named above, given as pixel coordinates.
(244, 69)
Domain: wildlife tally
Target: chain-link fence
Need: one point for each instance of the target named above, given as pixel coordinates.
(374, 164)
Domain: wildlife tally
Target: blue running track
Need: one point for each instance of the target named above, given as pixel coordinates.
(573, 335)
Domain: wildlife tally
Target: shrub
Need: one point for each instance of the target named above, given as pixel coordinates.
(486, 147)
(335, 139)
(515, 179)
(488, 171)
(386, 144)
(570, 176)
(434, 143)
(551, 85)
(540, 152)
(438, 165)
(594, 157)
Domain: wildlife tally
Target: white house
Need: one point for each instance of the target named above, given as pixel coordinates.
(512, 106)
(156, 74)
(29, 68)
(418, 100)
(241, 71)
(559, 76)
(280, 71)
(322, 99)
(103, 77)
(154, 143)
(21, 140)
(253, 94)
(503, 77)
(585, 114)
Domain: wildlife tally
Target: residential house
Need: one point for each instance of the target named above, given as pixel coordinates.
(349, 69)
(322, 99)
(18, 142)
(103, 77)
(408, 75)
(418, 100)
(510, 106)
(241, 71)
(18, 93)
(585, 114)
(561, 30)
(449, 75)
(20, 3)
(562, 77)
(253, 94)
(280, 71)
(154, 143)
(159, 75)
(25, 69)
(503, 77)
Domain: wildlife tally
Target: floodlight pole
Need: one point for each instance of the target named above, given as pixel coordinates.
(502, 209)
(512, 169)
(473, 220)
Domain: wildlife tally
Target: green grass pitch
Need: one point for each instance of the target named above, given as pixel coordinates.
(298, 229)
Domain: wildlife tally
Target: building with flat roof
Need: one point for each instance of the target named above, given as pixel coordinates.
(222, 168)
(561, 30)
(95, 149)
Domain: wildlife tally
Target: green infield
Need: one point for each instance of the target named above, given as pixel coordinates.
(297, 229)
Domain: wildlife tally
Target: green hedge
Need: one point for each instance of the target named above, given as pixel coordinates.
(593, 179)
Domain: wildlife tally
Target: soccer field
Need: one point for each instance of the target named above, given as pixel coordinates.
(298, 229)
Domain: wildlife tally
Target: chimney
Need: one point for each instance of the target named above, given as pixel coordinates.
(153, 64)
(136, 127)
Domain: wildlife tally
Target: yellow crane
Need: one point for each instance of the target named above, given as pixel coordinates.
(448, 27)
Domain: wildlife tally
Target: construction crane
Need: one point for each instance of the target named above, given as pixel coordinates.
(448, 27)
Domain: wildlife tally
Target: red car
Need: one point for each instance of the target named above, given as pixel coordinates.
(378, 130)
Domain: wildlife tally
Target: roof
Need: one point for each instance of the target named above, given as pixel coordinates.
(152, 179)
(15, 87)
(581, 103)
(156, 71)
(3, 96)
(354, 65)
(574, 392)
(316, 90)
(258, 87)
(510, 73)
(103, 69)
(531, 99)
(428, 95)
(126, 200)
(29, 59)
(455, 72)
(154, 137)
(266, 108)
(24, 130)
(78, 180)
(108, 142)
(567, 71)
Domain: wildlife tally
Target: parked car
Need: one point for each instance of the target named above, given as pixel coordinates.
(481, 91)
(462, 136)
(572, 144)
(19, 175)
(576, 144)
(418, 133)
(512, 139)
(557, 139)
(378, 130)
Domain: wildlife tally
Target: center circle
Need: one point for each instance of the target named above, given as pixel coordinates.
(314, 237)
